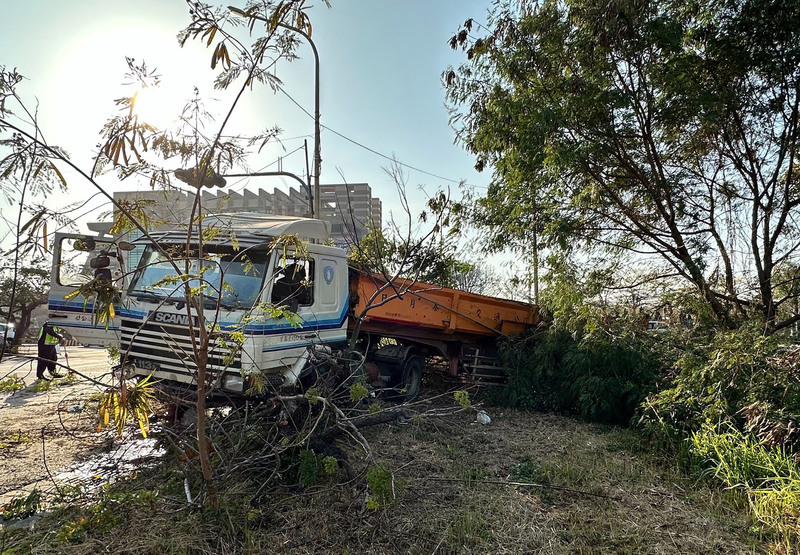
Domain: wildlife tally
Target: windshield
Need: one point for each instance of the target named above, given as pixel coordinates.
(234, 278)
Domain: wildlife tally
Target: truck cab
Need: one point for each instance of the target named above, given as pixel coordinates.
(264, 302)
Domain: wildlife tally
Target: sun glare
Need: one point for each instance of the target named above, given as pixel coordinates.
(158, 106)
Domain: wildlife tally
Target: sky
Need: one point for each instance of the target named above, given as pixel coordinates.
(380, 87)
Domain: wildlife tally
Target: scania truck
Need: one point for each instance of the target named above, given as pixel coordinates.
(269, 304)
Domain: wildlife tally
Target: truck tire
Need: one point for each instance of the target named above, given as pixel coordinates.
(411, 381)
(308, 377)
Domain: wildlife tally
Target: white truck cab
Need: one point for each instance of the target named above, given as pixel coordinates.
(245, 273)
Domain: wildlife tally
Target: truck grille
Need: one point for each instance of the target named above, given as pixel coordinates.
(163, 347)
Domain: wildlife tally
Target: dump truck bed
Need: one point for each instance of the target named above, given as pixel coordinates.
(426, 311)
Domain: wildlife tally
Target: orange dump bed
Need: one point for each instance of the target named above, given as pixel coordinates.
(430, 311)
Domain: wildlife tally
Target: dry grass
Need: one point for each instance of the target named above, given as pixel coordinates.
(452, 494)
(457, 499)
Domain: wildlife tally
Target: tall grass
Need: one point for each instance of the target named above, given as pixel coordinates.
(768, 478)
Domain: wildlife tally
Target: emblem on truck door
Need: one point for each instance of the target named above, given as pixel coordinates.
(327, 274)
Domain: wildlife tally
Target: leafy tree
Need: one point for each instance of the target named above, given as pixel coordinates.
(663, 135)
(425, 252)
(30, 292)
(433, 262)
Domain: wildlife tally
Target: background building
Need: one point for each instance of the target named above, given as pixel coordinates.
(350, 208)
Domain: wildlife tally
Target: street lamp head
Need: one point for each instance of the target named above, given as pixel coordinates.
(195, 177)
(125, 246)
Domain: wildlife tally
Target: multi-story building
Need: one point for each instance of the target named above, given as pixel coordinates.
(350, 208)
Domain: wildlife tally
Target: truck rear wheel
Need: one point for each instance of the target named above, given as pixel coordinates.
(411, 381)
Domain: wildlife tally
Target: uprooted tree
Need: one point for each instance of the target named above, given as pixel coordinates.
(662, 133)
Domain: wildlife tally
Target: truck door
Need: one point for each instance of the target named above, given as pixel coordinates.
(78, 259)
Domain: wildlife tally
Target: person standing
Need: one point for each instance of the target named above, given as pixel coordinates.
(49, 338)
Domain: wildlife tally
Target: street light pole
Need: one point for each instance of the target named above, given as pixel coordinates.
(316, 208)
(317, 153)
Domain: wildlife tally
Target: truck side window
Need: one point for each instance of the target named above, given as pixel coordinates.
(293, 282)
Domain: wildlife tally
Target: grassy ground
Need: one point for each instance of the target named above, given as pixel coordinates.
(525, 483)
(458, 490)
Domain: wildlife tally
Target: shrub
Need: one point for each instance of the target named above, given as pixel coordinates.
(609, 378)
(738, 376)
(12, 384)
(602, 377)
(314, 466)
(534, 366)
(383, 488)
(769, 478)
(23, 507)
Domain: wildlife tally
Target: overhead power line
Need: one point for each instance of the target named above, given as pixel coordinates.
(373, 151)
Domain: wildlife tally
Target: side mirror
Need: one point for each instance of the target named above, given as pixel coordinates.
(85, 245)
(101, 261)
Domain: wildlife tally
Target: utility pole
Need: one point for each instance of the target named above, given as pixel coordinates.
(317, 150)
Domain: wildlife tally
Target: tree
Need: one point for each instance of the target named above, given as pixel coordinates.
(425, 250)
(639, 132)
(28, 171)
(30, 292)
(411, 250)
(437, 262)
(432, 260)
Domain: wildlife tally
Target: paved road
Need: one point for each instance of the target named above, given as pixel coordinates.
(92, 361)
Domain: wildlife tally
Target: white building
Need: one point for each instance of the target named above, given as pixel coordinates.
(350, 208)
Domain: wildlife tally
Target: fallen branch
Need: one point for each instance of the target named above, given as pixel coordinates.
(342, 421)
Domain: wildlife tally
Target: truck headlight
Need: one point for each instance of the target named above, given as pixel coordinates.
(233, 382)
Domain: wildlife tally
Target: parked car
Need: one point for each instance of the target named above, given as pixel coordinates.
(657, 326)
(6, 337)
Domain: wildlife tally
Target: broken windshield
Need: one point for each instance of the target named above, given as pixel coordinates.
(234, 277)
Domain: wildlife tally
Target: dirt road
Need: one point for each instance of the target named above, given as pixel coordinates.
(44, 430)
(86, 360)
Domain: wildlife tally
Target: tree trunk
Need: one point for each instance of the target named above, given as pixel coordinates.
(200, 406)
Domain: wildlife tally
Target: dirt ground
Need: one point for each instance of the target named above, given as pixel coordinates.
(43, 432)
(461, 485)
